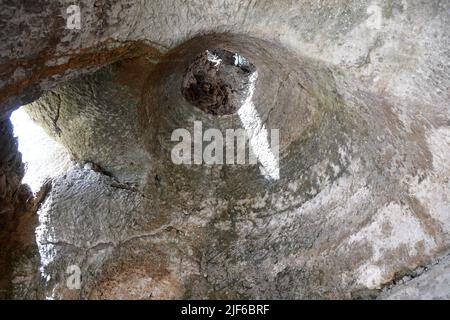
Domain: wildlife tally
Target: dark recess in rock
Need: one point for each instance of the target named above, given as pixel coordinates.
(217, 81)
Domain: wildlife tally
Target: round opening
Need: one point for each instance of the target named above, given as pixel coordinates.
(217, 81)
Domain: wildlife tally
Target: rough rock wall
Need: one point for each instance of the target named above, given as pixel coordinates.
(360, 90)
(341, 205)
(19, 257)
(430, 282)
(96, 118)
(39, 51)
(394, 46)
(11, 173)
(11, 169)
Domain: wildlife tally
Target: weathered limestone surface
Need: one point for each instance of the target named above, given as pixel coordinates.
(432, 283)
(11, 169)
(395, 46)
(359, 90)
(18, 255)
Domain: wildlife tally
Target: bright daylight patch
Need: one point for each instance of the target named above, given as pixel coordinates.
(43, 157)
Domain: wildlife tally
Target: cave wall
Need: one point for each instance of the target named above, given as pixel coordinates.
(360, 90)
(19, 256)
(383, 42)
(12, 169)
(341, 205)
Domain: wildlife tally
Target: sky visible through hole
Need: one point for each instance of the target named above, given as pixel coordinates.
(43, 157)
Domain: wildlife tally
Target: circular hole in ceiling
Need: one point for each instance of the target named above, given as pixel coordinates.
(217, 81)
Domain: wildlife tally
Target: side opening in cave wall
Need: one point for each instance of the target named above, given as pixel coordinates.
(44, 159)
